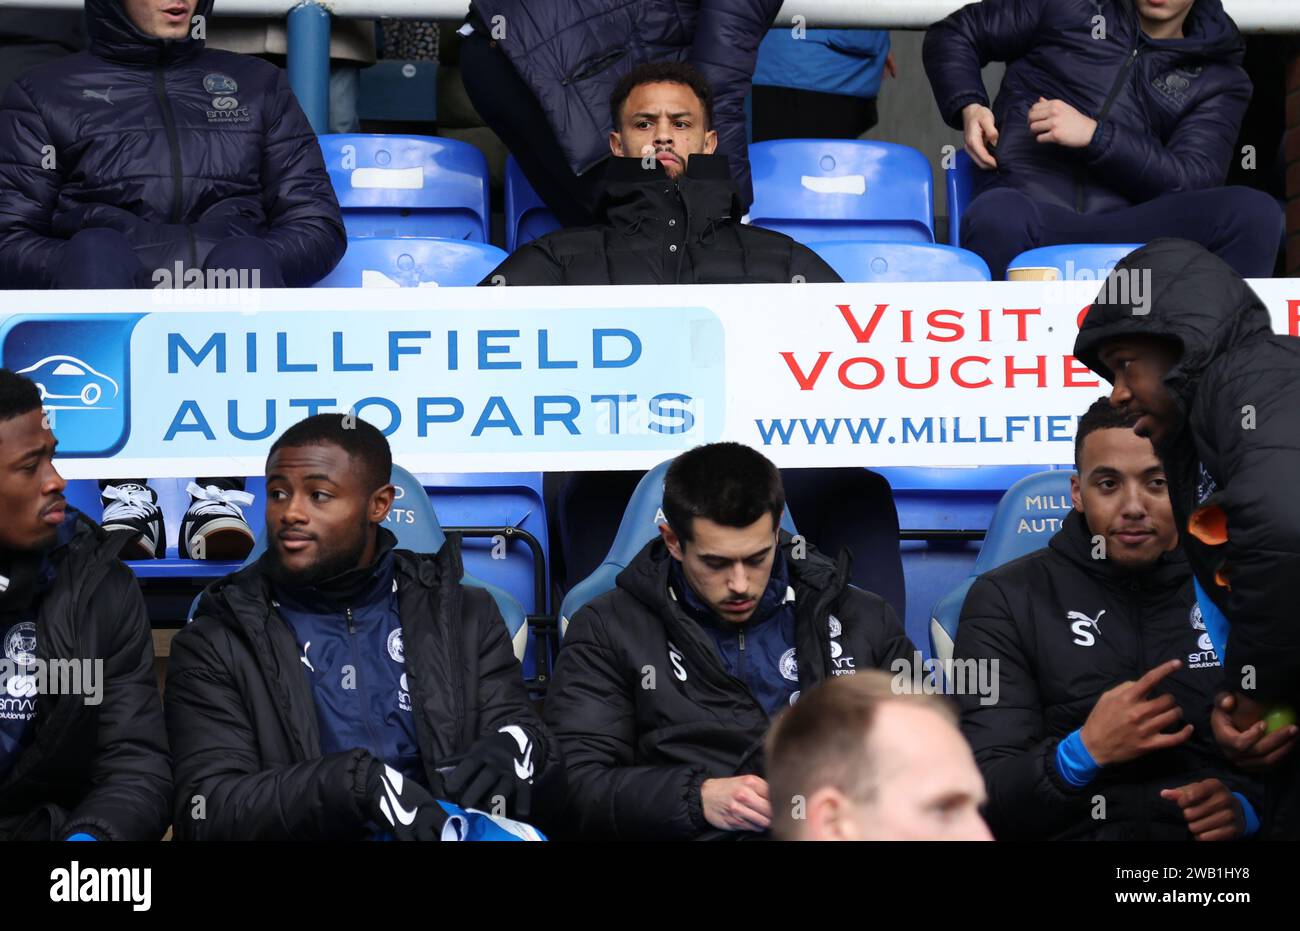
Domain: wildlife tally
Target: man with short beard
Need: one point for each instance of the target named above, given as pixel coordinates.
(338, 687)
(1106, 671)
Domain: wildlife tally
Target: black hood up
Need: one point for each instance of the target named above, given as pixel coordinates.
(112, 36)
(1193, 297)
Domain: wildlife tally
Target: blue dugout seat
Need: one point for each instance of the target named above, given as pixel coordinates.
(1075, 261)
(393, 185)
(527, 217)
(476, 502)
(858, 260)
(640, 525)
(1025, 519)
(417, 529)
(831, 189)
(382, 262)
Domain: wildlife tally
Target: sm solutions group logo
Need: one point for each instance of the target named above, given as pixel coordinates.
(81, 365)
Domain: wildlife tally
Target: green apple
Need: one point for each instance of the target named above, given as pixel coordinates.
(1278, 718)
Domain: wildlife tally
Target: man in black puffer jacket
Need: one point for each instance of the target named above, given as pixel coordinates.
(669, 212)
(1116, 122)
(149, 159)
(1073, 748)
(541, 74)
(1197, 364)
(338, 687)
(665, 686)
(82, 745)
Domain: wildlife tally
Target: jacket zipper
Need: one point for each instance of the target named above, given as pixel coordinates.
(740, 658)
(173, 143)
(678, 631)
(1105, 108)
(361, 689)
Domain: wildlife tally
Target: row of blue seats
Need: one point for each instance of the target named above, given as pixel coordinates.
(811, 189)
(942, 514)
(417, 214)
(410, 262)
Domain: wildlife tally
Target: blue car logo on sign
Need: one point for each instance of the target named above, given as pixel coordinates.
(71, 383)
(80, 364)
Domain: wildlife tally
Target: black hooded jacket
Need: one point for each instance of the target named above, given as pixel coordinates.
(645, 711)
(100, 768)
(243, 720)
(1235, 388)
(1064, 628)
(174, 145)
(656, 232)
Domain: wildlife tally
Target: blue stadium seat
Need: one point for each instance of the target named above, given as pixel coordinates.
(497, 499)
(859, 260)
(527, 217)
(418, 530)
(960, 179)
(1076, 261)
(1028, 515)
(952, 498)
(640, 525)
(413, 263)
(390, 185)
(820, 189)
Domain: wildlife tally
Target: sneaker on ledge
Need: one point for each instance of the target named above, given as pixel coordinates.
(133, 508)
(214, 526)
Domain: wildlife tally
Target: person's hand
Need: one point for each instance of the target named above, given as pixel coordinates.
(1125, 723)
(402, 805)
(1242, 735)
(891, 68)
(1211, 810)
(1057, 121)
(980, 133)
(738, 803)
(499, 765)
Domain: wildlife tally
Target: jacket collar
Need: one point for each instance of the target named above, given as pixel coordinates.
(775, 596)
(704, 198)
(1074, 542)
(359, 586)
(648, 575)
(113, 36)
(1208, 33)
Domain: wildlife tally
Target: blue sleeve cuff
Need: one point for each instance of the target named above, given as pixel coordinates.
(1074, 762)
(1248, 810)
(82, 835)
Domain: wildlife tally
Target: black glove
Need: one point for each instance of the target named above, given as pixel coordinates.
(402, 805)
(499, 764)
